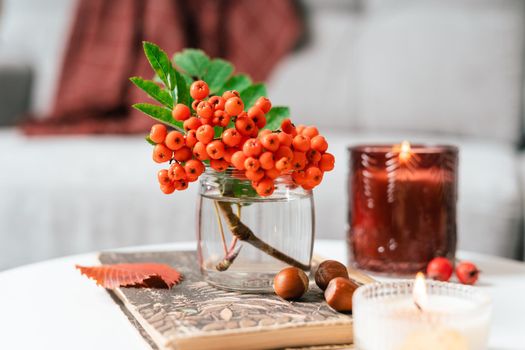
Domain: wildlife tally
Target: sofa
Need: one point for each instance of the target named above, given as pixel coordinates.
(432, 71)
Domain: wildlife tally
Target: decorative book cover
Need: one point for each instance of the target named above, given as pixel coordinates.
(195, 315)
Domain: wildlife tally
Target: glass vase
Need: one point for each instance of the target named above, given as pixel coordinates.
(245, 239)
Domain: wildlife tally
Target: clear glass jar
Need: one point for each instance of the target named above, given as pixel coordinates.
(245, 239)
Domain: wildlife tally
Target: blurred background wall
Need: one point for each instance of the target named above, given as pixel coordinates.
(433, 71)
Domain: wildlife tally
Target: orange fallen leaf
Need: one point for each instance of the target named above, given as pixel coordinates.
(151, 275)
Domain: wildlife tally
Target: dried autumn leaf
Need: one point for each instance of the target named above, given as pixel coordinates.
(151, 275)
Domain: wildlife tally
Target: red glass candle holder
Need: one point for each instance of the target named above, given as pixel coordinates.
(402, 210)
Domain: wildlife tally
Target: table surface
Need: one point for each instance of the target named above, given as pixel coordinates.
(49, 305)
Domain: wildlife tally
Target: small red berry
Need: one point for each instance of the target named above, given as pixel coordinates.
(310, 131)
(313, 156)
(182, 155)
(254, 175)
(168, 189)
(219, 165)
(217, 102)
(231, 137)
(175, 140)
(252, 164)
(215, 149)
(192, 123)
(252, 148)
(194, 168)
(204, 110)
(299, 160)
(199, 151)
(272, 173)
(265, 187)
(231, 93)
(284, 152)
(327, 162)
(245, 125)
(264, 104)
(234, 106)
(283, 164)
(181, 185)
(301, 143)
(163, 177)
(319, 143)
(158, 133)
(161, 153)
(255, 114)
(221, 118)
(314, 176)
(181, 112)
(440, 269)
(176, 172)
(288, 127)
(467, 272)
(199, 90)
(205, 134)
(238, 159)
(267, 161)
(271, 142)
(191, 138)
(285, 139)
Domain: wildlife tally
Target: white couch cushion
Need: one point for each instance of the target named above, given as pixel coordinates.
(443, 66)
(65, 195)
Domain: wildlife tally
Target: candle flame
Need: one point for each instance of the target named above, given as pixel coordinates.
(404, 152)
(420, 291)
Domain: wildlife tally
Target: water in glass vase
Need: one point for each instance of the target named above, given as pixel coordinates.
(284, 221)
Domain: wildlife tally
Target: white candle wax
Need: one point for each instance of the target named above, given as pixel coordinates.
(394, 322)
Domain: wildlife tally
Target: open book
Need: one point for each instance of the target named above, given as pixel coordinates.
(194, 315)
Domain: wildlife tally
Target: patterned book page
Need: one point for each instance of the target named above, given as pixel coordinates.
(195, 311)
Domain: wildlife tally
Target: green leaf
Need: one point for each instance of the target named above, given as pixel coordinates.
(192, 61)
(217, 131)
(150, 141)
(154, 91)
(275, 117)
(217, 74)
(161, 64)
(160, 114)
(238, 82)
(181, 94)
(252, 93)
(242, 189)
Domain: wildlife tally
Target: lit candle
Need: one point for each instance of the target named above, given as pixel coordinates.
(402, 209)
(413, 315)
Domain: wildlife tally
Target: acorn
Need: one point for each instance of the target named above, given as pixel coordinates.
(290, 283)
(327, 271)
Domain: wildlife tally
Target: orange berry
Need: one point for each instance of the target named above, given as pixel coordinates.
(254, 175)
(182, 155)
(192, 123)
(299, 160)
(252, 148)
(284, 152)
(168, 189)
(215, 149)
(163, 177)
(181, 112)
(310, 131)
(194, 168)
(270, 142)
(234, 106)
(265, 187)
(299, 128)
(319, 143)
(299, 177)
(283, 164)
(314, 176)
(191, 138)
(307, 187)
(288, 127)
(255, 114)
(272, 173)
(301, 143)
(199, 151)
(181, 185)
(231, 93)
(231, 137)
(176, 172)
(327, 162)
(158, 133)
(245, 125)
(161, 153)
(266, 160)
(221, 118)
(205, 134)
(264, 104)
(175, 140)
(264, 132)
(313, 156)
(251, 164)
(228, 153)
(199, 90)
(219, 164)
(285, 139)
(204, 110)
(194, 104)
(217, 102)
(238, 159)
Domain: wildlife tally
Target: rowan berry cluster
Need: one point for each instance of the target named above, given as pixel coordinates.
(263, 155)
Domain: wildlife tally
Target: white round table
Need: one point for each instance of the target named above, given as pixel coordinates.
(49, 305)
